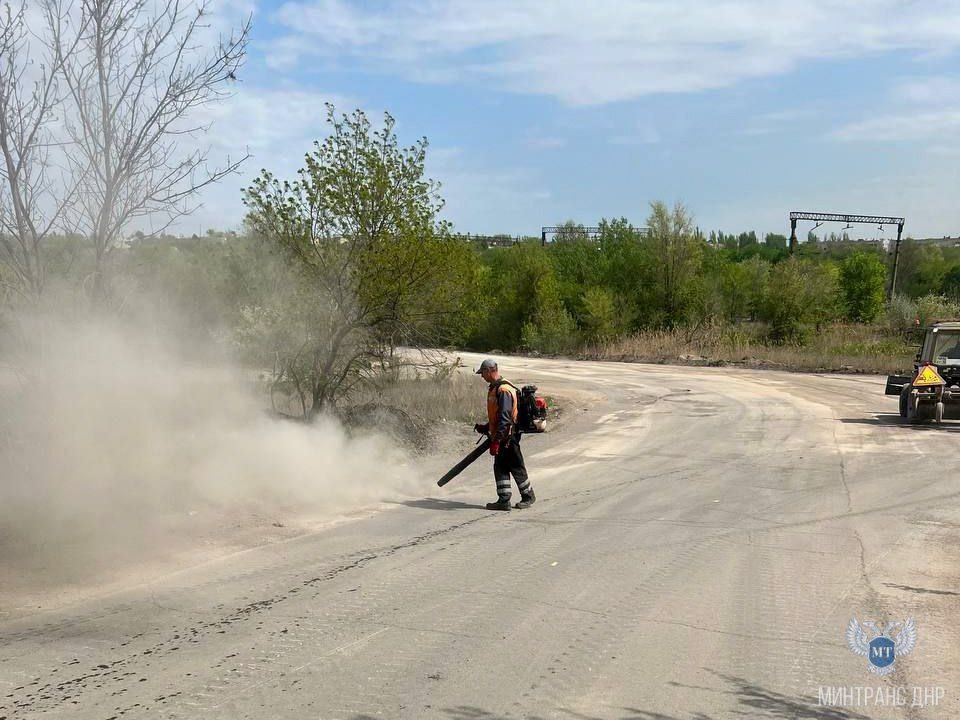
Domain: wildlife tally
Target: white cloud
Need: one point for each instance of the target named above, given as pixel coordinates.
(768, 123)
(933, 113)
(645, 134)
(270, 119)
(902, 127)
(546, 142)
(930, 90)
(276, 125)
(482, 199)
(593, 53)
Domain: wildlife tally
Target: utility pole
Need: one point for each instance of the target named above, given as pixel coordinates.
(896, 263)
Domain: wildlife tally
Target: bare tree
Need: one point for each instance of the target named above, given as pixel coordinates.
(135, 72)
(33, 193)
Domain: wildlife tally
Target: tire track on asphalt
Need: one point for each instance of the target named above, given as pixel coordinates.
(44, 693)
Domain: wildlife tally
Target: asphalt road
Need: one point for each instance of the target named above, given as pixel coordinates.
(702, 539)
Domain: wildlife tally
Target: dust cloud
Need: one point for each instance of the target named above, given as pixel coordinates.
(114, 446)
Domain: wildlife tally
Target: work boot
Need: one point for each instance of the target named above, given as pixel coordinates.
(526, 500)
(500, 504)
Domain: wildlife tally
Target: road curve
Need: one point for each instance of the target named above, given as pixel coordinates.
(702, 538)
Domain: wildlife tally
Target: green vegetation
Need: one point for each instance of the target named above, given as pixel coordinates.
(369, 263)
(863, 280)
(339, 267)
(629, 291)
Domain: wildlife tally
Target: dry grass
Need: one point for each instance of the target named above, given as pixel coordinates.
(449, 397)
(424, 412)
(835, 348)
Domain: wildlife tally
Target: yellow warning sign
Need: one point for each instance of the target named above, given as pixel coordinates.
(928, 375)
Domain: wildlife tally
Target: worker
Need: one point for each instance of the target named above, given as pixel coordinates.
(501, 427)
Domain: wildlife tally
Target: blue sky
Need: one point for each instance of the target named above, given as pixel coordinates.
(538, 112)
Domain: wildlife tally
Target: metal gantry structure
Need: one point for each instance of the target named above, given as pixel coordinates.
(591, 233)
(881, 220)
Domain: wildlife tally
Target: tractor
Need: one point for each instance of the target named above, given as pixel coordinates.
(935, 382)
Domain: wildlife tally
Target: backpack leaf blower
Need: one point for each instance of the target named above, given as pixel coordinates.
(531, 418)
(465, 463)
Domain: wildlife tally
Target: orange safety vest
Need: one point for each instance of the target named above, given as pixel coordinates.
(493, 405)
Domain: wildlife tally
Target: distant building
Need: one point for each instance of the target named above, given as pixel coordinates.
(945, 241)
(489, 241)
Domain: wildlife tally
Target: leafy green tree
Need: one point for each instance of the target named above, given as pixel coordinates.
(775, 241)
(710, 301)
(551, 329)
(578, 265)
(675, 254)
(570, 231)
(951, 282)
(625, 266)
(799, 293)
(735, 290)
(606, 315)
(360, 223)
(921, 269)
(757, 280)
(728, 241)
(522, 302)
(863, 279)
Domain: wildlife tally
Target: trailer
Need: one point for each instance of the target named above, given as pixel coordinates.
(935, 382)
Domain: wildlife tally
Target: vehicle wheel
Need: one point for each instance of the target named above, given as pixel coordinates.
(913, 410)
(918, 412)
(938, 413)
(904, 401)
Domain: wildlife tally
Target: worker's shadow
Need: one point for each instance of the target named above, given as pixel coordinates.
(439, 504)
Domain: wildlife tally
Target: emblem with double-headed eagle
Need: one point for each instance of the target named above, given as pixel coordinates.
(883, 650)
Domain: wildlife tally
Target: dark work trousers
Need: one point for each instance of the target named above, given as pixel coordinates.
(509, 461)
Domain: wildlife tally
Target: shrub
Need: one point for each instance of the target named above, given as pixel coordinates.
(800, 292)
(863, 279)
(936, 307)
(901, 313)
(604, 317)
(552, 330)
